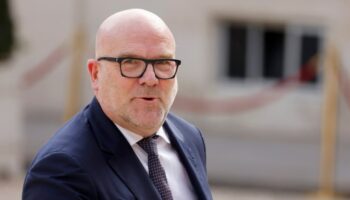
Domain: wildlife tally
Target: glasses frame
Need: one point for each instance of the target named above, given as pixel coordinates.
(146, 61)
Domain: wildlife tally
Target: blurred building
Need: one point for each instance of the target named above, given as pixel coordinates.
(252, 79)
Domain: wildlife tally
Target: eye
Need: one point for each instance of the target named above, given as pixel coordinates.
(163, 62)
(131, 61)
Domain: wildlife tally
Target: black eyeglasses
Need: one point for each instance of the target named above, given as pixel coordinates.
(136, 67)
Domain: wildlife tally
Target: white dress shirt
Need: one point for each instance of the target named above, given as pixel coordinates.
(178, 180)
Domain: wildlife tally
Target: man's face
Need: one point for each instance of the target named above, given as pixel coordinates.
(138, 104)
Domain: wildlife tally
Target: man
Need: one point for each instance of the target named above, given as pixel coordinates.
(124, 144)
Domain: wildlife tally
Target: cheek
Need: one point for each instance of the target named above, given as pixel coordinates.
(171, 89)
(175, 91)
(108, 86)
(120, 90)
(174, 88)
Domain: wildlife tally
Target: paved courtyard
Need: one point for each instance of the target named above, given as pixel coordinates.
(11, 190)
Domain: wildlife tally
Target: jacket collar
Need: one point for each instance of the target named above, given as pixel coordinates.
(125, 163)
(189, 160)
(119, 153)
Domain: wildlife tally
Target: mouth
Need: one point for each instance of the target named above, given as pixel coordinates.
(148, 98)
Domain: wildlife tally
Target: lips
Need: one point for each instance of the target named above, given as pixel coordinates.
(148, 98)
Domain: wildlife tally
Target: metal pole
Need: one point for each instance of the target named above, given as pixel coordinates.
(329, 125)
(78, 46)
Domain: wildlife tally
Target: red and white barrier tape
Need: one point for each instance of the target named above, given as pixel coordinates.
(200, 105)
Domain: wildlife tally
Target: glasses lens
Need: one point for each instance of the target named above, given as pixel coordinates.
(132, 67)
(165, 68)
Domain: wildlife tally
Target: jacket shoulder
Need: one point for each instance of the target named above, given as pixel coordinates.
(191, 134)
(180, 122)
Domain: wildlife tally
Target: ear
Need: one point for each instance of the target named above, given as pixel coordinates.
(93, 69)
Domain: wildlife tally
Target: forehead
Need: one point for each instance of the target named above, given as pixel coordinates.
(143, 46)
(139, 37)
(138, 46)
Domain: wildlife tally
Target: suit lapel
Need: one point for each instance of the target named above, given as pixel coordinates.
(127, 166)
(119, 154)
(189, 160)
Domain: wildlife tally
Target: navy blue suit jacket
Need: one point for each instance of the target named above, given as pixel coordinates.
(89, 158)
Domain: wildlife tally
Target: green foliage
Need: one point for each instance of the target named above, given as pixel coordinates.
(6, 30)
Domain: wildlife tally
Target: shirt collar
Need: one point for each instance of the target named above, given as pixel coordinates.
(161, 132)
(133, 138)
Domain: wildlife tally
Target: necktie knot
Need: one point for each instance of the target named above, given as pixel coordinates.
(149, 144)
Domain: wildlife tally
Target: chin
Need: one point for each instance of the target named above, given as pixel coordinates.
(151, 120)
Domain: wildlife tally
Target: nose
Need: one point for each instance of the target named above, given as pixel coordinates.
(149, 77)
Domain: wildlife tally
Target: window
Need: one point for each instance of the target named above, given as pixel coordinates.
(237, 43)
(258, 51)
(309, 49)
(273, 54)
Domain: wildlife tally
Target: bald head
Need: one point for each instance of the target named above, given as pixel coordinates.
(134, 24)
(139, 104)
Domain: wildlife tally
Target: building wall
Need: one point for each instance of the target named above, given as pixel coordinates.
(295, 114)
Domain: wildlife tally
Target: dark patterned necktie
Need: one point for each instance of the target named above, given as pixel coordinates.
(156, 171)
